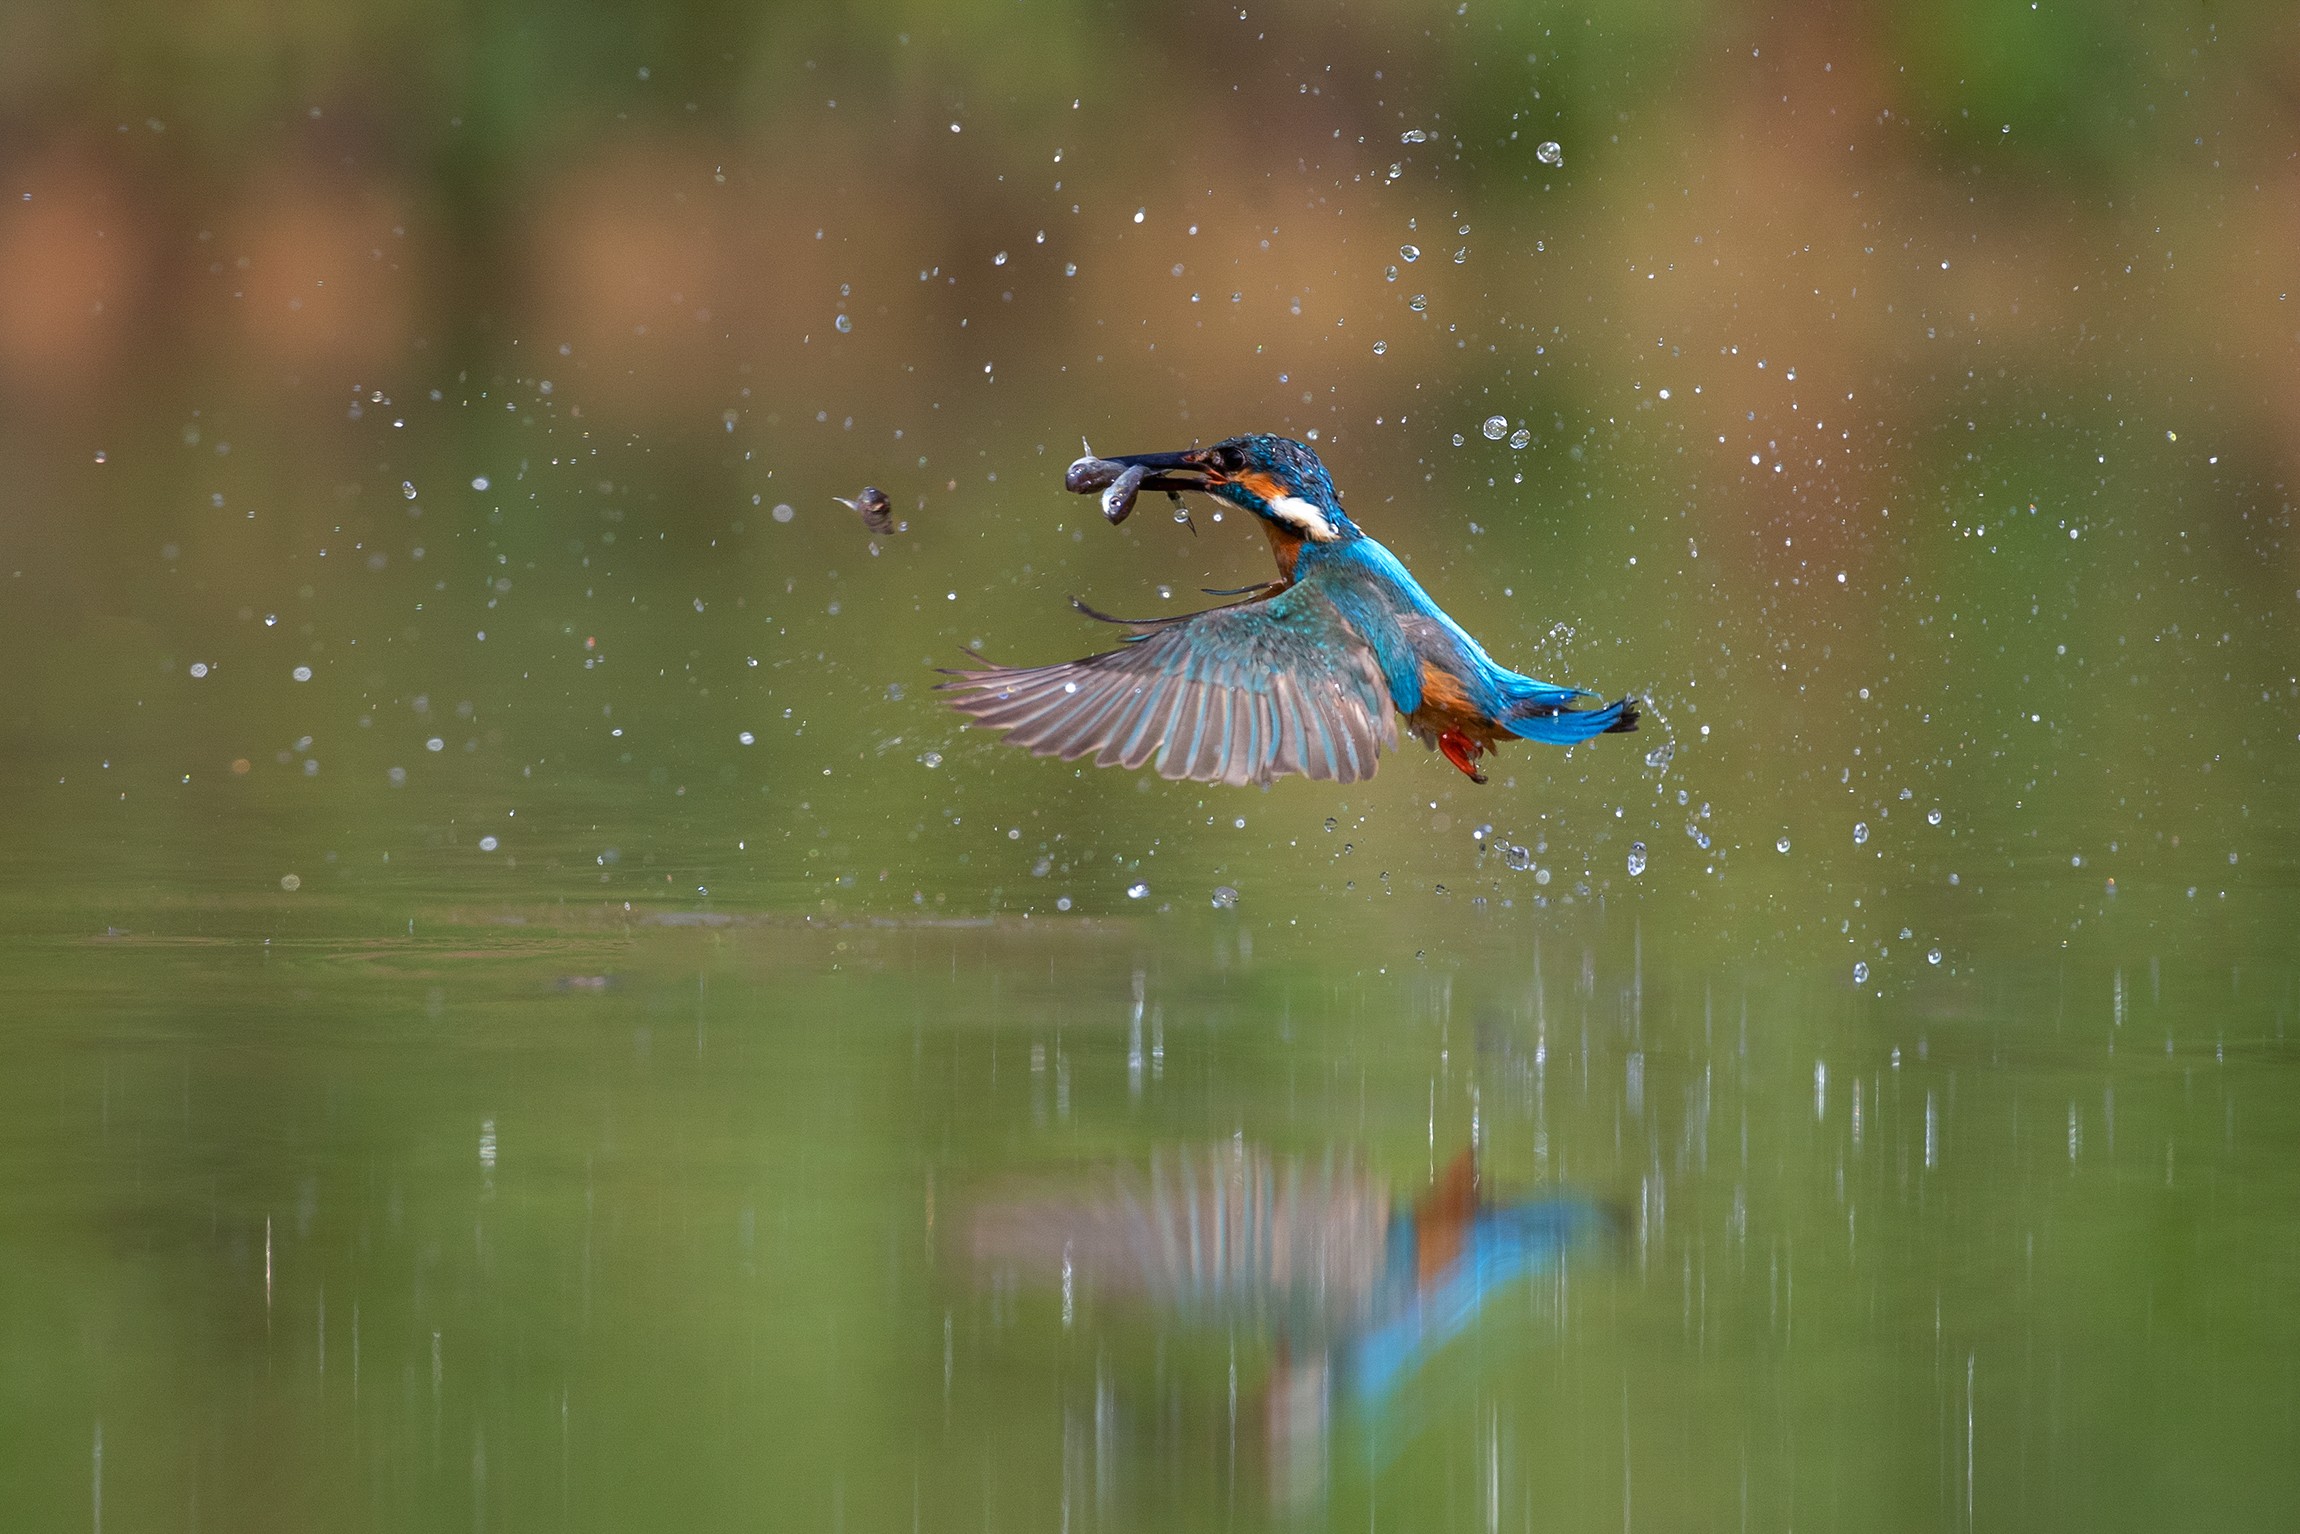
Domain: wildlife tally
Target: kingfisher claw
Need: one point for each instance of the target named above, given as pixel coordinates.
(1463, 752)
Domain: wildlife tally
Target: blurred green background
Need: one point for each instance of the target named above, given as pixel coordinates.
(417, 560)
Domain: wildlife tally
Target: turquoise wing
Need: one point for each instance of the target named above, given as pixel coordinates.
(1240, 694)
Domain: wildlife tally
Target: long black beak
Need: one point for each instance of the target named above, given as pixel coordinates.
(1120, 480)
(1167, 471)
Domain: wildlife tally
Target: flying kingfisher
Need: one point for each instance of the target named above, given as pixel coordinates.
(1303, 674)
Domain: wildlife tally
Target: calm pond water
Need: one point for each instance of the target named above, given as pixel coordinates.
(544, 1219)
(520, 1009)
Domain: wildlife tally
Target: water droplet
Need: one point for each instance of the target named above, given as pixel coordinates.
(1380, 347)
(930, 759)
(1550, 152)
(301, 673)
(1181, 513)
(1413, 136)
(1331, 822)
(1861, 972)
(1224, 897)
(407, 488)
(1516, 857)
(488, 844)
(479, 483)
(1410, 252)
(1659, 756)
(1418, 302)
(1520, 438)
(843, 325)
(1782, 845)
(1390, 273)
(1933, 957)
(782, 512)
(1860, 832)
(1933, 818)
(1495, 427)
(1636, 859)
(999, 259)
(199, 668)
(747, 738)
(1461, 256)
(1459, 439)
(437, 744)
(1137, 891)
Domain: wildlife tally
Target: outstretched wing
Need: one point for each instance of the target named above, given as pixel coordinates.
(1240, 694)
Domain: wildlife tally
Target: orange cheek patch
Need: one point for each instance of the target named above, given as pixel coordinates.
(1264, 486)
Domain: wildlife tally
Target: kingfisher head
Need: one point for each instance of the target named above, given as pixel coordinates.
(1276, 478)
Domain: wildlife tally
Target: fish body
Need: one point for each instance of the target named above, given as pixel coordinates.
(871, 504)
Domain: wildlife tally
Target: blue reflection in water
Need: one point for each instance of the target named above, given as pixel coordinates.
(1358, 1293)
(1445, 1259)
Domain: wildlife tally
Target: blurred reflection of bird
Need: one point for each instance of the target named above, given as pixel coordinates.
(1232, 1231)
(1301, 676)
(872, 505)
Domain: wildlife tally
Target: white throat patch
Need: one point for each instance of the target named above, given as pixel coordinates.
(1298, 513)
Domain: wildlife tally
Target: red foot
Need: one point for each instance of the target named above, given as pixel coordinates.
(1463, 752)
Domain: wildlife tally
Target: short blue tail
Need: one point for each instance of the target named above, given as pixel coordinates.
(1569, 727)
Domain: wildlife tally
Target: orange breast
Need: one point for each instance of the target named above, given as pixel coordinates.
(1442, 694)
(1446, 706)
(1285, 547)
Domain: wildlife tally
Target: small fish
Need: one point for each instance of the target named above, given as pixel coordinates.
(1089, 474)
(871, 504)
(1119, 483)
(1118, 499)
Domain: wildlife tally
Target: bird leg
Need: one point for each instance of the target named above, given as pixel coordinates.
(1463, 752)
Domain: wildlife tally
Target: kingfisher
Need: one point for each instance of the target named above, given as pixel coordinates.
(1306, 673)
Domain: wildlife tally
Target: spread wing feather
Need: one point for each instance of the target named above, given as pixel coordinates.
(1239, 694)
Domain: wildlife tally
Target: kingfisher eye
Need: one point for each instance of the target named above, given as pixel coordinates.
(1229, 459)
